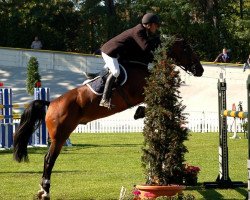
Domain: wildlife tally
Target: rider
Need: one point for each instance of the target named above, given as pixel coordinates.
(135, 44)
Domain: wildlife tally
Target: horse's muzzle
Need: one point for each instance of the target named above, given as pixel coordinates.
(198, 70)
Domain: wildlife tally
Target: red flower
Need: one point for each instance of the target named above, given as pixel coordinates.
(136, 192)
(38, 84)
(191, 170)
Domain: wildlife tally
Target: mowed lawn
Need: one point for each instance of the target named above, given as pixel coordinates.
(98, 165)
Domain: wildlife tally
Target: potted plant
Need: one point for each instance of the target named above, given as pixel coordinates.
(164, 133)
(191, 174)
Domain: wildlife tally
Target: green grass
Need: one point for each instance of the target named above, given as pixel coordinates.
(98, 165)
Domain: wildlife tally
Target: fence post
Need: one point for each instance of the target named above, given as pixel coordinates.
(40, 136)
(6, 131)
(223, 180)
(6, 123)
(6, 101)
(223, 177)
(248, 131)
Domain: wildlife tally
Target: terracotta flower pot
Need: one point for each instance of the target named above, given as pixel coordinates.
(154, 191)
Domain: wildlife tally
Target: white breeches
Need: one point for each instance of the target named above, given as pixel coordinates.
(112, 64)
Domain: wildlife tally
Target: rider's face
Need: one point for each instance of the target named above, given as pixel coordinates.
(153, 27)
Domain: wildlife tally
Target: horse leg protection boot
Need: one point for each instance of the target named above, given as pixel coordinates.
(140, 112)
(107, 93)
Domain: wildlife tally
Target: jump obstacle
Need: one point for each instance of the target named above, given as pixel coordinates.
(237, 114)
(7, 126)
(223, 180)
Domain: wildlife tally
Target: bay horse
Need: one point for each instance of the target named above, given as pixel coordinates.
(81, 105)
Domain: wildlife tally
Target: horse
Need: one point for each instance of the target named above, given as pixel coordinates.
(81, 105)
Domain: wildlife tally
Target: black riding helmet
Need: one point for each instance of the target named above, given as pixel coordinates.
(150, 18)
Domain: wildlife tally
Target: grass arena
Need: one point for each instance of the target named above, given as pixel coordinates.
(87, 169)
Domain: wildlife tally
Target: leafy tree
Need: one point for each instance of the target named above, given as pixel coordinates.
(56, 23)
(33, 75)
(93, 32)
(83, 25)
(219, 20)
(99, 18)
(214, 19)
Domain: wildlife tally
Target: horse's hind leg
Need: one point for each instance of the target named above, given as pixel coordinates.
(49, 161)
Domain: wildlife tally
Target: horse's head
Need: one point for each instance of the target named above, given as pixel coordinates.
(184, 56)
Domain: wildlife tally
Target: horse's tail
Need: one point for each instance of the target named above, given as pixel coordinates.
(30, 121)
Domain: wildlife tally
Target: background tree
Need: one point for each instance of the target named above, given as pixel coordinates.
(33, 75)
(93, 32)
(57, 24)
(84, 25)
(111, 17)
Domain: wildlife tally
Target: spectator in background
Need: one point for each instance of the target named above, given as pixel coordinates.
(246, 64)
(97, 52)
(223, 57)
(36, 44)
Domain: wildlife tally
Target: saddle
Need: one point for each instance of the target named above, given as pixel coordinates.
(97, 83)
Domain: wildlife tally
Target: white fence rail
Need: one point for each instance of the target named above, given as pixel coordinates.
(111, 126)
(196, 122)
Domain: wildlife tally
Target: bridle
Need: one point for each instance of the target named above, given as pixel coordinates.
(187, 70)
(190, 69)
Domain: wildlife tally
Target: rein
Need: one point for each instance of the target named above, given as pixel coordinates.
(137, 62)
(183, 68)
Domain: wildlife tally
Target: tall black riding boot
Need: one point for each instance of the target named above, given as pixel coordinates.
(107, 93)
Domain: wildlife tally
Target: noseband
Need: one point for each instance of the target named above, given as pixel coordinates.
(191, 73)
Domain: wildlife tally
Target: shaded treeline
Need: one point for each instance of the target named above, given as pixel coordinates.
(82, 26)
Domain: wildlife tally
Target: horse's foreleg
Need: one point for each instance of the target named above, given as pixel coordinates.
(49, 161)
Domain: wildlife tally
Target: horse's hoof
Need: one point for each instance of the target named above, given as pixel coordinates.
(35, 197)
(42, 194)
(45, 197)
(39, 195)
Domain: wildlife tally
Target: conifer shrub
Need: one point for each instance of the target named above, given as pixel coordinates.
(164, 133)
(33, 77)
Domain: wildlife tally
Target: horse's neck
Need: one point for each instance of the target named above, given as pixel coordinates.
(137, 72)
(134, 87)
